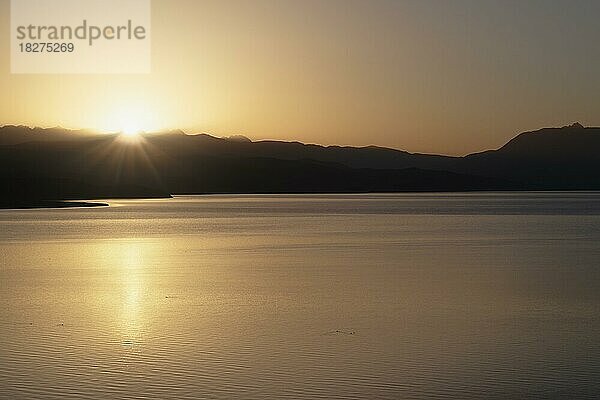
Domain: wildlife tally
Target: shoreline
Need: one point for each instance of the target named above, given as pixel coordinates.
(62, 204)
(57, 204)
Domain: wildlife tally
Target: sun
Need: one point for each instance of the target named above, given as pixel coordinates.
(130, 120)
(131, 130)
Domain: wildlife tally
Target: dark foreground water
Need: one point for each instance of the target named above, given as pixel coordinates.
(491, 296)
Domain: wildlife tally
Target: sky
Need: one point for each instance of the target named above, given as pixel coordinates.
(448, 77)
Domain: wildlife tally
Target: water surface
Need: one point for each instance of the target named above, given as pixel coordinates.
(374, 296)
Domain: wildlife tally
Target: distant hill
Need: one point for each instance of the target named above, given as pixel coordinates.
(11, 134)
(62, 164)
(550, 158)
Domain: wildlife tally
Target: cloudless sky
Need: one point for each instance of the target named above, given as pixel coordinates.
(444, 76)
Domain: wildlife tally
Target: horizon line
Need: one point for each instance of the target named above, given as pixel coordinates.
(182, 131)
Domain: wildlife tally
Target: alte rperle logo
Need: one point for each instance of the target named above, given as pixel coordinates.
(80, 36)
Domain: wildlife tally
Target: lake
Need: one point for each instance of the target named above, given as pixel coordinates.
(408, 296)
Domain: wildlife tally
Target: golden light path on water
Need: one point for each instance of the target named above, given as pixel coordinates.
(129, 276)
(132, 273)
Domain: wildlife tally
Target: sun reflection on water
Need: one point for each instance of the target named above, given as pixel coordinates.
(132, 260)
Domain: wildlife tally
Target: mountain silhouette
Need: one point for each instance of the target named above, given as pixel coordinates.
(55, 164)
(550, 159)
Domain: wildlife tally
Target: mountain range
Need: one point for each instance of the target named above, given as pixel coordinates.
(57, 164)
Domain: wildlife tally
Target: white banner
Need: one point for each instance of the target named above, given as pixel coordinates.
(80, 36)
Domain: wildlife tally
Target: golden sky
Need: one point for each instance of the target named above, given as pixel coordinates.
(427, 76)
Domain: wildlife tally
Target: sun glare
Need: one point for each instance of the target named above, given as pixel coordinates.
(130, 119)
(130, 130)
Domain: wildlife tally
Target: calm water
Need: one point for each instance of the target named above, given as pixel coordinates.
(304, 297)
